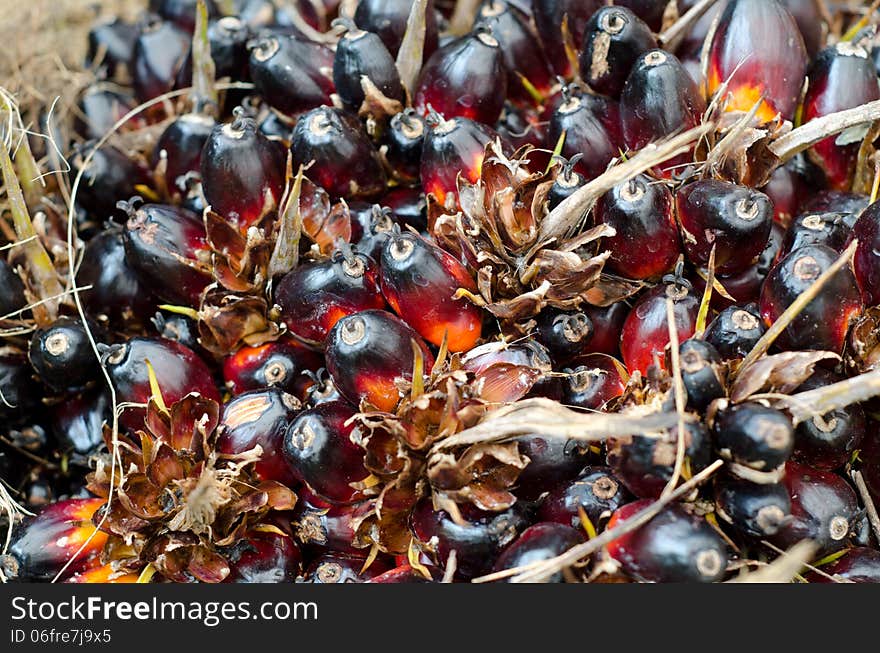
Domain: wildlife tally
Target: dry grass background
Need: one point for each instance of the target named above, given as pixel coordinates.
(42, 45)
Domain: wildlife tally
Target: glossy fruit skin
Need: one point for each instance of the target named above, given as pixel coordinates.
(735, 219)
(753, 509)
(403, 145)
(181, 144)
(614, 38)
(858, 565)
(163, 243)
(100, 107)
(824, 509)
(745, 286)
(841, 77)
(564, 186)
(291, 74)
(607, 324)
(464, 79)
(116, 289)
(116, 39)
(179, 328)
(280, 364)
(563, 333)
(228, 38)
(110, 176)
(451, 147)
(42, 545)
(647, 243)
(786, 188)
(596, 490)
(829, 201)
(650, 11)
(359, 54)
(387, 18)
(828, 442)
(590, 126)
(824, 322)
(513, 30)
(551, 460)
(62, 355)
(159, 53)
(11, 290)
(753, 436)
(367, 351)
(645, 331)
(700, 373)
(264, 557)
(419, 280)
(21, 394)
(322, 526)
(777, 64)
(335, 568)
(658, 99)
(179, 371)
(76, 422)
(260, 417)
(593, 381)
(829, 229)
(539, 542)
(735, 331)
(674, 547)
(549, 15)
(316, 295)
(866, 262)
(371, 224)
(102, 574)
(645, 464)
(242, 172)
(346, 164)
(477, 542)
(182, 12)
(321, 452)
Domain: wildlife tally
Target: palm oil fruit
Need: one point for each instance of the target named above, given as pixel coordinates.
(420, 281)
(370, 353)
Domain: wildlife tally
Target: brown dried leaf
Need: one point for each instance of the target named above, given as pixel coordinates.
(228, 321)
(781, 372)
(207, 566)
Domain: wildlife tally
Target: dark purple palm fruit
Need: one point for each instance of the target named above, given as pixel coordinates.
(566, 183)
(183, 12)
(228, 39)
(387, 18)
(345, 163)
(830, 229)
(159, 54)
(528, 70)
(452, 147)
(21, 394)
(62, 356)
(735, 220)
(178, 370)
(402, 145)
(291, 74)
(100, 107)
(166, 245)
(464, 79)
(180, 147)
(591, 126)
(111, 46)
(242, 171)
(841, 77)
(112, 286)
(646, 244)
(659, 99)
(362, 54)
(538, 543)
(614, 38)
(866, 262)
(650, 11)
(109, 175)
(12, 296)
(549, 16)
